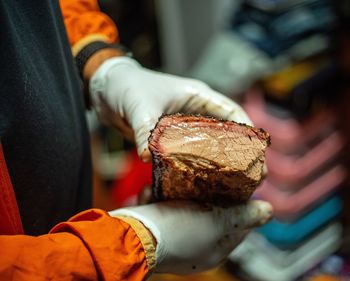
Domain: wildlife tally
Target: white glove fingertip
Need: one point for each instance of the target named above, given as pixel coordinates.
(223, 107)
(256, 214)
(141, 138)
(240, 116)
(265, 170)
(145, 155)
(143, 120)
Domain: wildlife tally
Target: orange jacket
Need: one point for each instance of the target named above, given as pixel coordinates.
(91, 245)
(85, 23)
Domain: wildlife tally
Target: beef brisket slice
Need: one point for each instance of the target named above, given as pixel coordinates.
(207, 160)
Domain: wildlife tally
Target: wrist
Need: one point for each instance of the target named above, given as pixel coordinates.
(89, 58)
(92, 55)
(97, 59)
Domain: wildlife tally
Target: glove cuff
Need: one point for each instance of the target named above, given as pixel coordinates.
(160, 251)
(146, 239)
(98, 82)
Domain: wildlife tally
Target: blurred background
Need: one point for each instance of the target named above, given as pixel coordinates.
(287, 62)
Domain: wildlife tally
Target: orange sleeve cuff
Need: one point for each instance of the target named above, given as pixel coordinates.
(83, 18)
(115, 248)
(90, 246)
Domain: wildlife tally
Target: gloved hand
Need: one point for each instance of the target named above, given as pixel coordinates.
(192, 239)
(132, 98)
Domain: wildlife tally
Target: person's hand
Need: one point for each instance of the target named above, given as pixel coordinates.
(192, 239)
(132, 98)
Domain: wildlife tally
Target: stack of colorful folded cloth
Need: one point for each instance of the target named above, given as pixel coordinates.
(295, 104)
(305, 173)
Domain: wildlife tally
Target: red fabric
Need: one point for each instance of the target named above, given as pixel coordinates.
(129, 186)
(10, 219)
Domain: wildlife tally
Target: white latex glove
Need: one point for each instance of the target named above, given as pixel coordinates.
(132, 98)
(192, 239)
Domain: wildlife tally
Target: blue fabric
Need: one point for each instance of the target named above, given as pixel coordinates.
(290, 234)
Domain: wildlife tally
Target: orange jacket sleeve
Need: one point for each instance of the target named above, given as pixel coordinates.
(84, 20)
(90, 246)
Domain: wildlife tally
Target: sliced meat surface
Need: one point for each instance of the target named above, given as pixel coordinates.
(205, 159)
